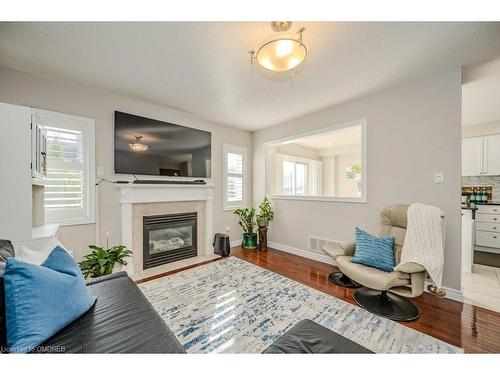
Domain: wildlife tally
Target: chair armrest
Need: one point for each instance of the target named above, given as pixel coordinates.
(349, 248)
(410, 268)
(346, 249)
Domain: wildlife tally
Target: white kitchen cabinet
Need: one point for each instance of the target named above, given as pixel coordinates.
(492, 155)
(472, 156)
(488, 228)
(481, 156)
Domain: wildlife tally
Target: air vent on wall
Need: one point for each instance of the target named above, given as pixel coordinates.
(316, 244)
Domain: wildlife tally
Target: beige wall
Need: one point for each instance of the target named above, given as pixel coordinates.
(24, 89)
(412, 131)
(343, 186)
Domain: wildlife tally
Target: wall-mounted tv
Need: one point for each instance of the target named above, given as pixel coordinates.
(150, 147)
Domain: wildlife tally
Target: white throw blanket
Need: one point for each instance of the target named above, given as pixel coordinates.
(424, 240)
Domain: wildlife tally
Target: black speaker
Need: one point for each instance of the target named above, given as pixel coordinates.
(221, 244)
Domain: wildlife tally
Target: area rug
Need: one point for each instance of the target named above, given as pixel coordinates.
(232, 306)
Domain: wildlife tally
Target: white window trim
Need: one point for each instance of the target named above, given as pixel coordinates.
(364, 164)
(226, 205)
(88, 126)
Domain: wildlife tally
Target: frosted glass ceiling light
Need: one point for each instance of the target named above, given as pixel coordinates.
(138, 145)
(283, 53)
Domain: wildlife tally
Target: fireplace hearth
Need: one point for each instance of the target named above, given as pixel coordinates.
(169, 238)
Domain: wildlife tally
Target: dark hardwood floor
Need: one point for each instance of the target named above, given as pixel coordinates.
(475, 329)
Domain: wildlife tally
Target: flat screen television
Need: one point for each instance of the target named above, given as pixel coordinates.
(150, 147)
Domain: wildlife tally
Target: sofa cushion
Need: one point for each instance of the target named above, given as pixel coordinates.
(372, 277)
(41, 300)
(121, 321)
(6, 251)
(377, 252)
(309, 337)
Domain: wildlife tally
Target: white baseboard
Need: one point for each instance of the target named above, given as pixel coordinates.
(303, 253)
(237, 242)
(453, 294)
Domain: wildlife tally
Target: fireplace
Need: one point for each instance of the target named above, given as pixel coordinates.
(169, 238)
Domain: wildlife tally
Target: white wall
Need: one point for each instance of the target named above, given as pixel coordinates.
(24, 89)
(412, 131)
(329, 173)
(299, 151)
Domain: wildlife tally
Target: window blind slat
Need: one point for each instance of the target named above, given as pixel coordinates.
(234, 176)
(64, 188)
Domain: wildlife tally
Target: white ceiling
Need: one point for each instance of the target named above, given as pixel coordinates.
(336, 138)
(481, 93)
(203, 68)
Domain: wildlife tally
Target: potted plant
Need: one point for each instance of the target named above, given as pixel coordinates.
(265, 213)
(247, 222)
(101, 261)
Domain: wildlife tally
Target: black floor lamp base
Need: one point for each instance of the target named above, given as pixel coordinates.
(341, 279)
(386, 304)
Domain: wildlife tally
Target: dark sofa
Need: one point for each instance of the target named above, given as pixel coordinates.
(121, 321)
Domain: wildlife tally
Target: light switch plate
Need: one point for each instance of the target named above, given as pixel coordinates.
(438, 177)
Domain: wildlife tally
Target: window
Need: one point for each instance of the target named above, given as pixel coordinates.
(70, 182)
(294, 177)
(234, 176)
(326, 164)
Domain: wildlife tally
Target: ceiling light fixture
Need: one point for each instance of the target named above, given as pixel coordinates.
(283, 53)
(138, 145)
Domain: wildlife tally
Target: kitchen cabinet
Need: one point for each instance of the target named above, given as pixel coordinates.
(492, 155)
(472, 156)
(488, 228)
(481, 156)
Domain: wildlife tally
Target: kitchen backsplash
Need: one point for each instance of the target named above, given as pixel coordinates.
(493, 181)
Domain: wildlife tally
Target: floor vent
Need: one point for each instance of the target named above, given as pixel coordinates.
(316, 244)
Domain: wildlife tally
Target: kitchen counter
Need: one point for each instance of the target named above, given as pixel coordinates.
(467, 239)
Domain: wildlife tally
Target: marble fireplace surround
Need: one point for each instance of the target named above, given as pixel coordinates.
(137, 201)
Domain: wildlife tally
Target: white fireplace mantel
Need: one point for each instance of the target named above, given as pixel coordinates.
(158, 193)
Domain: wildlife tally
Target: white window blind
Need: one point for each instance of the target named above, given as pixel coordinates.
(234, 176)
(64, 188)
(70, 182)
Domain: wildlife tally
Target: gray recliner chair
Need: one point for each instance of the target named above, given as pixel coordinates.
(336, 251)
(386, 293)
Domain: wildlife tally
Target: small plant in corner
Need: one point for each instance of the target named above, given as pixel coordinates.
(247, 222)
(101, 261)
(266, 213)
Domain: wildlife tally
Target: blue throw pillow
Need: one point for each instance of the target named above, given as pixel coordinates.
(377, 252)
(41, 300)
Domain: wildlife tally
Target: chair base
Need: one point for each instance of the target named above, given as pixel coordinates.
(386, 304)
(342, 279)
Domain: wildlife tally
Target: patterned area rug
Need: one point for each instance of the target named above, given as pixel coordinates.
(233, 306)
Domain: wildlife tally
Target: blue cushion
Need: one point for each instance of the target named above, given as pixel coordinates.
(377, 252)
(41, 300)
